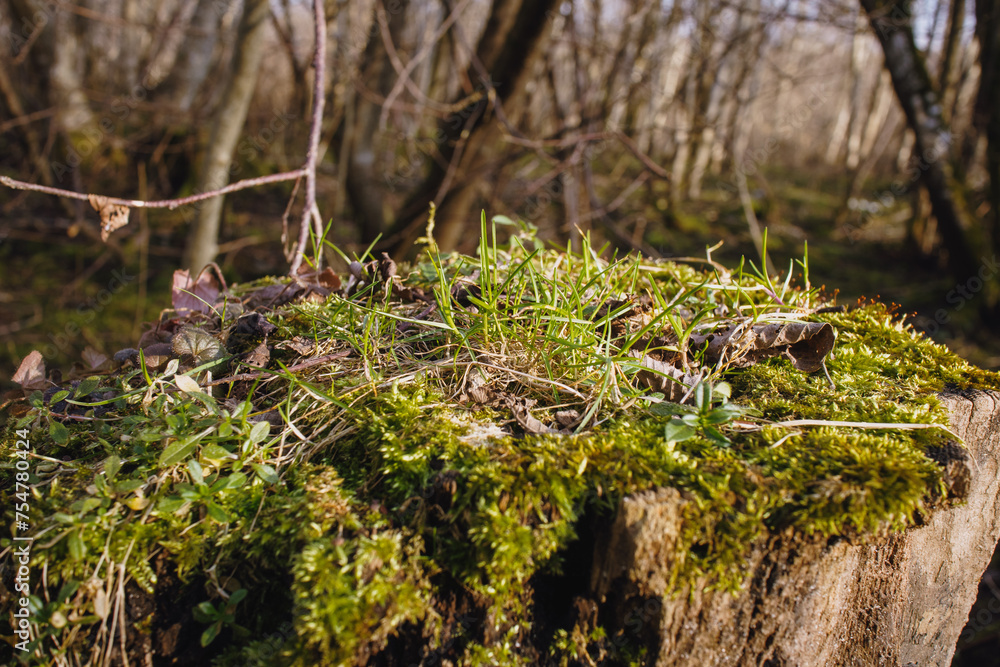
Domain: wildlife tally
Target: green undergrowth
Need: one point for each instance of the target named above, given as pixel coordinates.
(404, 508)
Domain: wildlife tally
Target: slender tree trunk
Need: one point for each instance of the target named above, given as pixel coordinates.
(892, 22)
(470, 138)
(66, 79)
(194, 61)
(854, 122)
(203, 239)
(363, 181)
(956, 18)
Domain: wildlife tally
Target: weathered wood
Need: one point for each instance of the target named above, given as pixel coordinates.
(898, 600)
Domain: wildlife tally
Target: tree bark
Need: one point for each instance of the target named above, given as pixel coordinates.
(898, 600)
(892, 21)
(203, 239)
(949, 51)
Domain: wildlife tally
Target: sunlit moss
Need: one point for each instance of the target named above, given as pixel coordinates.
(347, 534)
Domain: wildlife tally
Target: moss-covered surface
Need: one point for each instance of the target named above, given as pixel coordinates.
(391, 519)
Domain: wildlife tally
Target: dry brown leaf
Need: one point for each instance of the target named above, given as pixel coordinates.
(194, 295)
(805, 344)
(30, 373)
(93, 358)
(273, 296)
(113, 216)
(674, 382)
(520, 408)
(299, 344)
(329, 279)
(259, 356)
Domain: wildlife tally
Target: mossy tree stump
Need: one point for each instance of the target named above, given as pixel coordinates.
(901, 599)
(524, 458)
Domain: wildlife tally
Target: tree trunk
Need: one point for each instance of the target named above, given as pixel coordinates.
(949, 50)
(194, 61)
(363, 181)
(892, 22)
(854, 123)
(471, 137)
(203, 239)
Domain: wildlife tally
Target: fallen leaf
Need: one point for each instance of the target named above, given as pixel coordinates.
(300, 344)
(567, 418)
(113, 216)
(329, 279)
(126, 355)
(273, 296)
(805, 344)
(258, 357)
(93, 358)
(186, 383)
(386, 267)
(520, 408)
(157, 355)
(30, 373)
(194, 295)
(661, 376)
(248, 330)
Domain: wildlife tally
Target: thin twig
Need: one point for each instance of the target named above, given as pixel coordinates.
(309, 168)
(285, 249)
(28, 118)
(404, 75)
(863, 425)
(163, 203)
(308, 363)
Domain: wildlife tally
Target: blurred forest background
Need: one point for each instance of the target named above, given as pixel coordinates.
(654, 126)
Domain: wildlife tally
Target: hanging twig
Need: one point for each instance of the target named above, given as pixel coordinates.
(309, 169)
(163, 203)
(310, 211)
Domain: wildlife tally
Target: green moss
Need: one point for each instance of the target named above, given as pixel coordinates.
(385, 496)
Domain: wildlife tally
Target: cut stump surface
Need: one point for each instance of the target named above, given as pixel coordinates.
(899, 600)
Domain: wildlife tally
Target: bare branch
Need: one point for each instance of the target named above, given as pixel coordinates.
(404, 75)
(309, 169)
(163, 203)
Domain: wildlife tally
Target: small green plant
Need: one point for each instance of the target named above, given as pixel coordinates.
(219, 617)
(704, 418)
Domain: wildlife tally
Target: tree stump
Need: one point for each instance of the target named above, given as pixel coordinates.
(900, 600)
